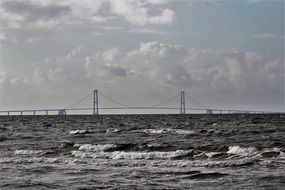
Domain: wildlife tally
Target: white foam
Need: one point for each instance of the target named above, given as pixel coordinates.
(211, 154)
(112, 131)
(168, 130)
(28, 152)
(132, 155)
(73, 132)
(95, 148)
(65, 162)
(82, 154)
(153, 145)
(242, 150)
(210, 163)
(183, 132)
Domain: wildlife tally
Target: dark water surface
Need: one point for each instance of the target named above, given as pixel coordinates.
(143, 152)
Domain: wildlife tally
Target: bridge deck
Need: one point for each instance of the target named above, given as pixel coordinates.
(57, 110)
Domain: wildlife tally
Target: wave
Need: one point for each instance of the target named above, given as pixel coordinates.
(125, 147)
(80, 159)
(168, 130)
(271, 152)
(212, 175)
(89, 131)
(111, 151)
(271, 149)
(253, 151)
(112, 131)
(157, 159)
(95, 148)
(29, 160)
(29, 152)
(244, 151)
(78, 131)
(161, 151)
(134, 155)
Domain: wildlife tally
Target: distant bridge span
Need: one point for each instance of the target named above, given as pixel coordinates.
(95, 109)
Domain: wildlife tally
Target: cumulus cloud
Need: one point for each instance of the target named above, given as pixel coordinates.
(153, 68)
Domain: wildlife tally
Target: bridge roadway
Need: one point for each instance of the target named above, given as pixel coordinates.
(65, 111)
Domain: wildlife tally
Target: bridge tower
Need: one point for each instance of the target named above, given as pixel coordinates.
(95, 103)
(182, 102)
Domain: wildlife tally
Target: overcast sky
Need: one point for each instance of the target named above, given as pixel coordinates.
(223, 53)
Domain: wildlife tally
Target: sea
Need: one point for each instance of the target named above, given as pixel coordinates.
(198, 151)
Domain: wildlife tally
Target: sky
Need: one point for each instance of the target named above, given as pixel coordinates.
(223, 53)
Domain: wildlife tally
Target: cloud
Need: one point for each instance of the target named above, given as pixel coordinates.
(33, 12)
(138, 12)
(27, 19)
(151, 70)
(36, 19)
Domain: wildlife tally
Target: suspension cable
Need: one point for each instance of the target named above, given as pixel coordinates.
(199, 104)
(165, 101)
(114, 101)
(80, 100)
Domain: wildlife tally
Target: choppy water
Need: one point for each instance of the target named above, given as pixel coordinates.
(143, 152)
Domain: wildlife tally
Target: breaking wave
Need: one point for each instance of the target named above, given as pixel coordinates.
(252, 151)
(29, 152)
(242, 150)
(95, 148)
(133, 155)
(77, 131)
(168, 130)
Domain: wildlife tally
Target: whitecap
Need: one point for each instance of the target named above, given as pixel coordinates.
(82, 154)
(154, 145)
(95, 148)
(28, 152)
(242, 150)
(73, 132)
(132, 155)
(168, 130)
(112, 131)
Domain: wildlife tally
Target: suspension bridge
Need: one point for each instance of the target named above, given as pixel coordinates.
(95, 108)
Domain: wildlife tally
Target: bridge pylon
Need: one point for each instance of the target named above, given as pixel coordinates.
(95, 103)
(182, 102)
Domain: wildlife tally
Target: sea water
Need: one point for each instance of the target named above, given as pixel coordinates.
(233, 151)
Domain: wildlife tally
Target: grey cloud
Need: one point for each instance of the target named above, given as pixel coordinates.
(118, 71)
(24, 34)
(34, 11)
(56, 16)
